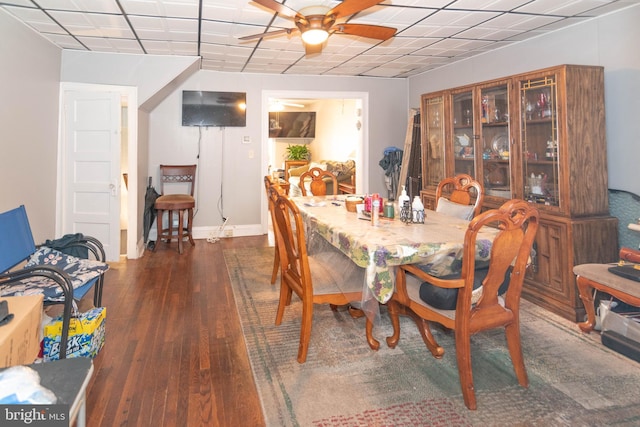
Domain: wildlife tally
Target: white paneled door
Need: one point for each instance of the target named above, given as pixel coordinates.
(91, 163)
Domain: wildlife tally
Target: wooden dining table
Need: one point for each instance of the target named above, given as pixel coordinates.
(437, 244)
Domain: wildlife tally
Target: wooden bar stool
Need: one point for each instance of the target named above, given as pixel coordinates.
(176, 174)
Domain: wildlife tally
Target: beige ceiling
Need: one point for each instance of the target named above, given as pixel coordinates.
(431, 33)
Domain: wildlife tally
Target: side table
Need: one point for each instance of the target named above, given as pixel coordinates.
(68, 380)
(344, 188)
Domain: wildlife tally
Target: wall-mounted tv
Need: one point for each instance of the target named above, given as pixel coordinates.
(292, 124)
(205, 108)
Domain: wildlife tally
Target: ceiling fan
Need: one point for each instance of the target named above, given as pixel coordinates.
(316, 23)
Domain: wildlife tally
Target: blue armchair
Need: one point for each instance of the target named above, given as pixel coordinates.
(60, 277)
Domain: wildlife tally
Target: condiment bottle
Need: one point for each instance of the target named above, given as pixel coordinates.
(375, 209)
(417, 210)
(404, 197)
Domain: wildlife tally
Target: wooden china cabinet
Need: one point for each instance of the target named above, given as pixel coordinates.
(537, 136)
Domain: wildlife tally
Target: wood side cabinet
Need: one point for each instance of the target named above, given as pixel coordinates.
(538, 136)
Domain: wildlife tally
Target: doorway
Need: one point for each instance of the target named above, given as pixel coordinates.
(108, 228)
(271, 155)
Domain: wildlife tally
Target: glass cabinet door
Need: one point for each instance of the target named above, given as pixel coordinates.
(433, 159)
(495, 140)
(540, 140)
(463, 135)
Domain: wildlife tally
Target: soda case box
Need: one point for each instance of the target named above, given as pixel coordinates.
(86, 335)
(20, 337)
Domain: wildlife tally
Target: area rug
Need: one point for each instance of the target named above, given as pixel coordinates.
(574, 381)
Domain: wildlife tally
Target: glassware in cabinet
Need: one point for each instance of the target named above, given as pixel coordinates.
(496, 141)
(539, 127)
(463, 134)
(433, 158)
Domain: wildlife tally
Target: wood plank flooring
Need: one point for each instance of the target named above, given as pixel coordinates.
(174, 353)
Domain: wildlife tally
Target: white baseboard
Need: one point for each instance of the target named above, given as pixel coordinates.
(207, 232)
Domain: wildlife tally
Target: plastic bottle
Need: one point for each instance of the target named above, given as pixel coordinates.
(417, 210)
(403, 197)
(375, 209)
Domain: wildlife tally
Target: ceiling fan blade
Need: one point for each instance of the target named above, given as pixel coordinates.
(268, 34)
(364, 30)
(312, 49)
(349, 7)
(278, 7)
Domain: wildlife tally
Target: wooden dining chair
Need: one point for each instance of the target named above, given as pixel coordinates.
(176, 174)
(318, 185)
(517, 222)
(465, 196)
(324, 278)
(271, 199)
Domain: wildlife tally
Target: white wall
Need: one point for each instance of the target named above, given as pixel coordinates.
(29, 84)
(336, 132)
(234, 170)
(610, 41)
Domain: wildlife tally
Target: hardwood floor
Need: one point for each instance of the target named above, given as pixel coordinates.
(174, 353)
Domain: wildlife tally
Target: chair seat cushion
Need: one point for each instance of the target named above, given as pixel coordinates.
(81, 272)
(446, 298)
(454, 209)
(175, 201)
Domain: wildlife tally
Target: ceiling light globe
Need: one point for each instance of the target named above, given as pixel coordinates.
(314, 36)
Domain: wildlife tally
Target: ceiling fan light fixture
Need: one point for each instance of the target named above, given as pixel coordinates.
(314, 36)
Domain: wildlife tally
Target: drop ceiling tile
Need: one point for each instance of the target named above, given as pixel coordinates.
(437, 4)
(173, 8)
(458, 18)
(422, 30)
(159, 47)
(347, 71)
(554, 7)
(26, 3)
(114, 45)
(430, 32)
(28, 15)
(384, 72)
(495, 5)
(486, 33)
(64, 41)
(80, 5)
(90, 24)
(233, 14)
(521, 22)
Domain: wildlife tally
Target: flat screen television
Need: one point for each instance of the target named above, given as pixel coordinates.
(292, 124)
(206, 108)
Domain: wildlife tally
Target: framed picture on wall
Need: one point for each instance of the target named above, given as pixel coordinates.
(292, 124)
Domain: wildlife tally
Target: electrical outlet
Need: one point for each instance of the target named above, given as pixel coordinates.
(228, 233)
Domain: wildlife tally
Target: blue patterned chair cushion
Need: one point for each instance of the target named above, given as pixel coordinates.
(81, 272)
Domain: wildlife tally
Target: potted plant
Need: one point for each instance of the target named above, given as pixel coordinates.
(298, 152)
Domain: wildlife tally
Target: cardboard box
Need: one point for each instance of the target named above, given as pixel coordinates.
(20, 338)
(86, 335)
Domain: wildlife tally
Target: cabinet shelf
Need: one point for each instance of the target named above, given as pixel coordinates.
(542, 162)
(543, 121)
